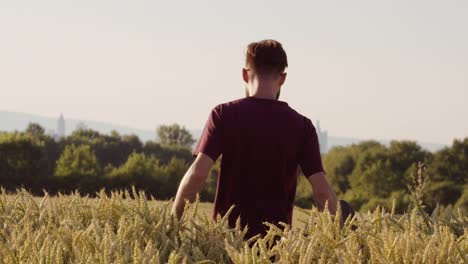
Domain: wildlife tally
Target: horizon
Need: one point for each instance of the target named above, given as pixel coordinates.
(144, 134)
(381, 70)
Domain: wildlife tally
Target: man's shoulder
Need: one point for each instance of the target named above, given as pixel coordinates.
(232, 102)
(243, 102)
(225, 106)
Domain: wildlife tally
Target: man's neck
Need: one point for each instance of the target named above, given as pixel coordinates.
(263, 91)
(264, 96)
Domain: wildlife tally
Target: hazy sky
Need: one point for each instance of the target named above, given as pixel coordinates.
(365, 69)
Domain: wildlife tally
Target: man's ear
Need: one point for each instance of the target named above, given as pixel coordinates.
(245, 75)
(282, 78)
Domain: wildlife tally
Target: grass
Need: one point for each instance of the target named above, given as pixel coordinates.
(128, 228)
(205, 208)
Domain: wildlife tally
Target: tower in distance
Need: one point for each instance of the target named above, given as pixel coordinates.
(61, 127)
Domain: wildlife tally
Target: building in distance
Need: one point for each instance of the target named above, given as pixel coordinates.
(322, 138)
(61, 127)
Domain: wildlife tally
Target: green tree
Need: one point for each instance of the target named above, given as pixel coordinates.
(165, 153)
(78, 169)
(339, 164)
(138, 165)
(51, 149)
(78, 161)
(448, 172)
(463, 200)
(35, 130)
(20, 159)
(112, 149)
(371, 174)
(175, 135)
(142, 171)
(371, 171)
(404, 157)
(174, 172)
(451, 163)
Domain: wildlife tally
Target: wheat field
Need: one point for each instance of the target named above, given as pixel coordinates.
(126, 227)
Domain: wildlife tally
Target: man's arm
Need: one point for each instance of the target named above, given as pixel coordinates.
(192, 182)
(323, 192)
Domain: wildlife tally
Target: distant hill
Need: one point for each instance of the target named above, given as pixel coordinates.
(10, 121)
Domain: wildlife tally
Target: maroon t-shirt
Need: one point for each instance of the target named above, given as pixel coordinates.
(262, 142)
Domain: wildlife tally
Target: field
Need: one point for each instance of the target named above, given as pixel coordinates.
(299, 215)
(128, 228)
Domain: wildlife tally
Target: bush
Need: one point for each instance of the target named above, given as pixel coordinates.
(78, 169)
(21, 156)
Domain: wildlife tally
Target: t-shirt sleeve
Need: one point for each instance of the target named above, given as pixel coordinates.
(309, 155)
(210, 142)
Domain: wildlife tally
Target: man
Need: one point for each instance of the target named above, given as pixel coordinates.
(262, 142)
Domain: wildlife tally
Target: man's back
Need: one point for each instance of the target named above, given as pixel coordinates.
(262, 142)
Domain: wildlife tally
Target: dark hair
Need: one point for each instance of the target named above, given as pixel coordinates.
(266, 57)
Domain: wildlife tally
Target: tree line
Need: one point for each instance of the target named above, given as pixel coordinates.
(367, 174)
(370, 174)
(88, 161)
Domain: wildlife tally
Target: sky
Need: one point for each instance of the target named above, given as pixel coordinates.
(365, 69)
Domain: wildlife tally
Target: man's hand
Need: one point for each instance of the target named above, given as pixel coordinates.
(192, 183)
(323, 192)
